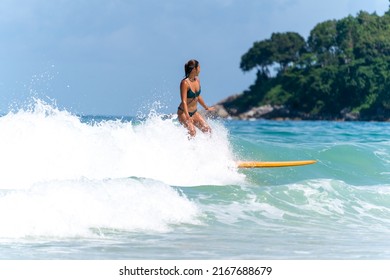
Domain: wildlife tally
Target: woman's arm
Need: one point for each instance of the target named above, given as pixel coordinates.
(201, 102)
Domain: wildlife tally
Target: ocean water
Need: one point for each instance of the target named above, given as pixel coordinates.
(101, 187)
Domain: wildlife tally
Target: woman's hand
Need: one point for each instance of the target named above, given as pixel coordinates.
(212, 108)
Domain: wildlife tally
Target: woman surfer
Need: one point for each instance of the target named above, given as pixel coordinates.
(187, 111)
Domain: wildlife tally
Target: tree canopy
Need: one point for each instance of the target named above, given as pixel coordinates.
(343, 66)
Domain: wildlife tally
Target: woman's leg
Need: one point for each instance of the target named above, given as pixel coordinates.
(200, 123)
(187, 124)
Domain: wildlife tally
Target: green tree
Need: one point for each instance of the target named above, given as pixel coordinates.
(344, 66)
(259, 57)
(282, 48)
(287, 48)
(322, 42)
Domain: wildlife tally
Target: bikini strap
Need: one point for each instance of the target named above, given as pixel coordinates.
(189, 84)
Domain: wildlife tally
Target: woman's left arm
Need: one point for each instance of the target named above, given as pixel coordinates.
(201, 102)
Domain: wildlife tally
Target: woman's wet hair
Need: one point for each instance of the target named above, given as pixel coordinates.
(189, 66)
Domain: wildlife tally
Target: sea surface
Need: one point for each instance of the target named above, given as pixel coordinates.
(100, 187)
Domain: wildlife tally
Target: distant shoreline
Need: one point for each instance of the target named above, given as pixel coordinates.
(282, 113)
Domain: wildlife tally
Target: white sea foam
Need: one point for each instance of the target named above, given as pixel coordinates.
(45, 144)
(87, 208)
(61, 176)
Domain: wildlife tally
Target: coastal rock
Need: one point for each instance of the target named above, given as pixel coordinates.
(260, 112)
(230, 109)
(265, 112)
(347, 115)
(220, 111)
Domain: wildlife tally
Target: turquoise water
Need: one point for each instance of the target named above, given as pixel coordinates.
(107, 188)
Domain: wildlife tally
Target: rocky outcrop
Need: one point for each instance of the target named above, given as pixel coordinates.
(266, 112)
(261, 112)
(229, 109)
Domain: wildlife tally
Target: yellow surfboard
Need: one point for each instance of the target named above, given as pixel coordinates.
(267, 164)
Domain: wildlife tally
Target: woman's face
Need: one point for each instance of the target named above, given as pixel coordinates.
(197, 70)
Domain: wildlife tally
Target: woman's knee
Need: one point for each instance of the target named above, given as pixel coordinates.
(191, 130)
(206, 129)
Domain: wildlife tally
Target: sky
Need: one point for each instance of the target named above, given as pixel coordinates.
(126, 57)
